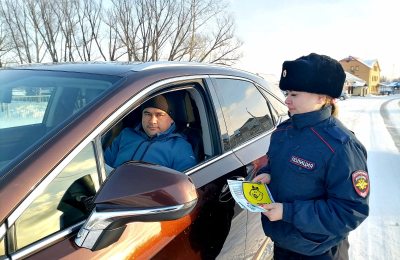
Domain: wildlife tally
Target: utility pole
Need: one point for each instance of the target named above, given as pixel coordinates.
(392, 73)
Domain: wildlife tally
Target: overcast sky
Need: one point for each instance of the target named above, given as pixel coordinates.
(277, 30)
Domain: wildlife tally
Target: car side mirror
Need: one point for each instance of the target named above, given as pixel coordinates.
(136, 191)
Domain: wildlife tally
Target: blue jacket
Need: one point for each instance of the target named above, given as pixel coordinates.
(312, 160)
(168, 149)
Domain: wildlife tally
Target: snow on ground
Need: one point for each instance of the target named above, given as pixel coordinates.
(21, 113)
(378, 237)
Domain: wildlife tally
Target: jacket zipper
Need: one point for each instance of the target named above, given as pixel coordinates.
(147, 148)
(137, 149)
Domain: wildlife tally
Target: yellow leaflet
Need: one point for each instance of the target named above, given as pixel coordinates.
(256, 193)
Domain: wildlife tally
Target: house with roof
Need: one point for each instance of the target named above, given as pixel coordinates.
(354, 85)
(389, 87)
(368, 70)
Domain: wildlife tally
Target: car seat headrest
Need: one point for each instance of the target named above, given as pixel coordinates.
(184, 110)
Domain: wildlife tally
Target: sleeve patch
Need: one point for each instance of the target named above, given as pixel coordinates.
(361, 182)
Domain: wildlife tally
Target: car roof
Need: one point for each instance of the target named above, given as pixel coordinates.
(116, 68)
(104, 68)
(156, 70)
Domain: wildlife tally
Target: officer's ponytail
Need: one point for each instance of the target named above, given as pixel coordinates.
(331, 102)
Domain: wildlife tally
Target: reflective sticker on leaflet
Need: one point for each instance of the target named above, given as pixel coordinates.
(256, 193)
(361, 182)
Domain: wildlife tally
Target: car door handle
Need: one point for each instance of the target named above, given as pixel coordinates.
(225, 192)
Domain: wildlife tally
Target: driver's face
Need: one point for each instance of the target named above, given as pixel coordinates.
(155, 121)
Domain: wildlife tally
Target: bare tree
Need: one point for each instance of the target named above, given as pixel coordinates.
(181, 32)
(384, 79)
(5, 46)
(156, 19)
(115, 45)
(23, 36)
(134, 30)
(94, 12)
(205, 32)
(44, 19)
(222, 45)
(67, 18)
(89, 20)
(121, 20)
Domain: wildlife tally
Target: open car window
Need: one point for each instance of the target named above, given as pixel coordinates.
(191, 120)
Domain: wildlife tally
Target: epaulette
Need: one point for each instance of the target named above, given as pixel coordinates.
(337, 133)
(286, 122)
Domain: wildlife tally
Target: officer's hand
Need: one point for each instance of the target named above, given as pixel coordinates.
(263, 178)
(275, 211)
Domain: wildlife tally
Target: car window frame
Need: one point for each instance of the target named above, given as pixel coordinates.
(226, 116)
(219, 115)
(3, 239)
(280, 117)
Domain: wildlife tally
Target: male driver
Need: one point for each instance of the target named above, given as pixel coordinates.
(155, 140)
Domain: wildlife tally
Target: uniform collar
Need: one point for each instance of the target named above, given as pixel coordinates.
(300, 121)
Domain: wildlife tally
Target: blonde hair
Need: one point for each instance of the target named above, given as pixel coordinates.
(330, 102)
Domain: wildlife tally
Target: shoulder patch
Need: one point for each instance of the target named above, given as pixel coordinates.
(338, 133)
(286, 122)
(361, 182)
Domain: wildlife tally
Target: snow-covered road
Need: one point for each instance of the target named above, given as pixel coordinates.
(376, 123)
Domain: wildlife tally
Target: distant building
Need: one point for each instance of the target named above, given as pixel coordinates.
(367, 70)
(270, 78)
(354, 85)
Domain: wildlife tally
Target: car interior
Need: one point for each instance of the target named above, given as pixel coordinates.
(190, 118)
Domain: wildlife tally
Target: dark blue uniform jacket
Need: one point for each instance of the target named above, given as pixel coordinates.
(312, 159)
(168, 149)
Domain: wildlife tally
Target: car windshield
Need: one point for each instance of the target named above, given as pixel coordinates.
(33, 102)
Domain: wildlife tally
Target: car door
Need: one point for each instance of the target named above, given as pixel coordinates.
(251, 121)
(215, 228)
(218, 226)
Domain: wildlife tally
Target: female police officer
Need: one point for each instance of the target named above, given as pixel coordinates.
(317, 168)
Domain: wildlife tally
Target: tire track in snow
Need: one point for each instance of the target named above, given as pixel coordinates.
(391, 126)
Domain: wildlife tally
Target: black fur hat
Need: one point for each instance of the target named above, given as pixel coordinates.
(164, 102)
(314, 73)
